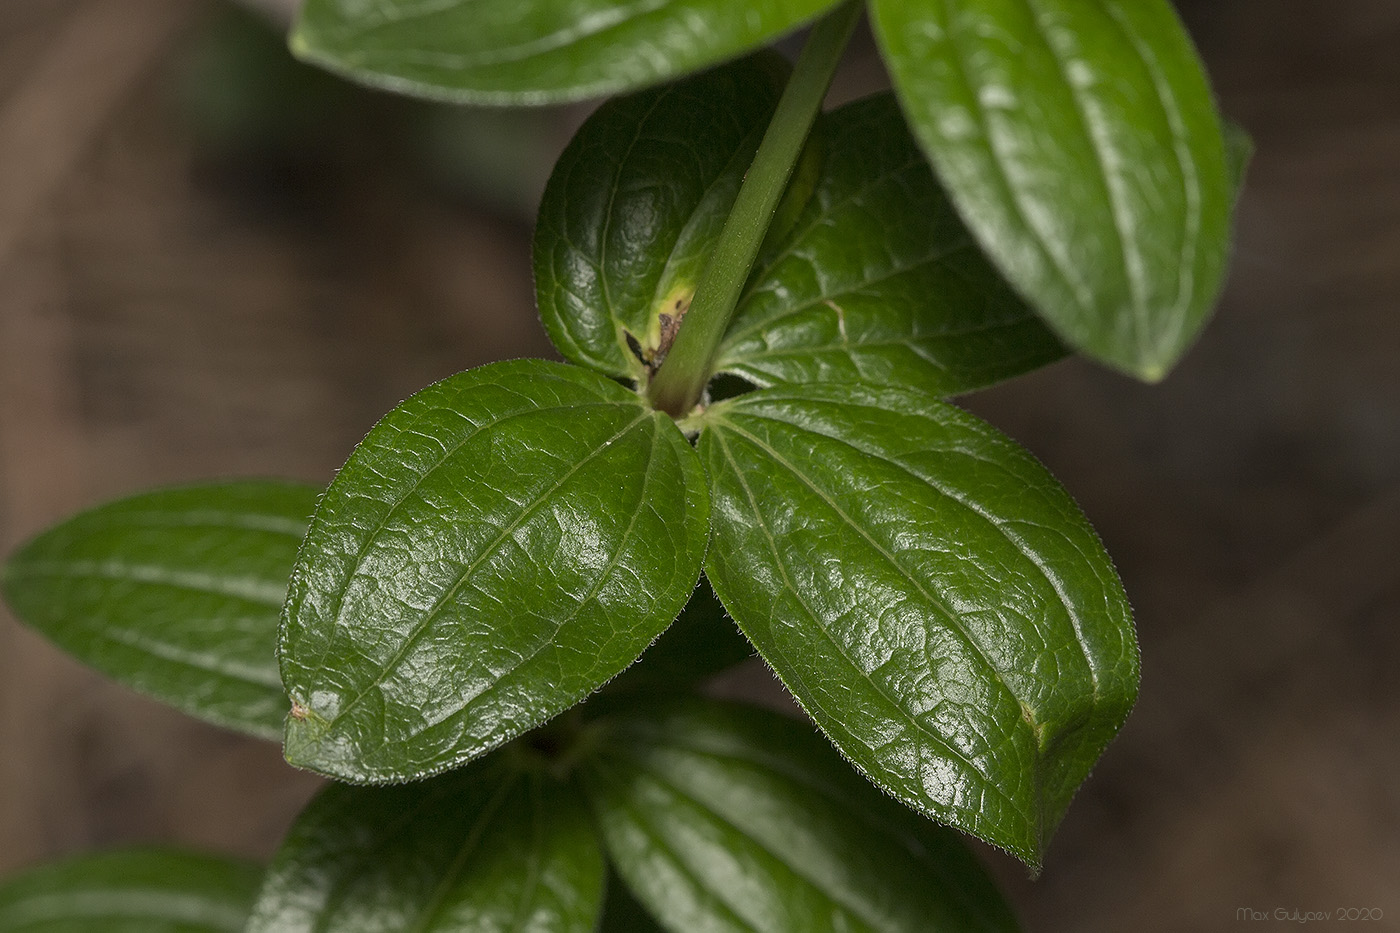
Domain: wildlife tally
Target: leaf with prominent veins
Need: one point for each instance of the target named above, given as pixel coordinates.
(1080, 142)
(879, 281)
(175, 593)
(492, 847)
(143, 890)
(928, 592)
(730, 819)
(498, 547)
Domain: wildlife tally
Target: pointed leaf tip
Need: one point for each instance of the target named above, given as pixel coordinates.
(928, 593)
(1080, 142)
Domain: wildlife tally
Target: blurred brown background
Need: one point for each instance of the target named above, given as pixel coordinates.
(213, 263)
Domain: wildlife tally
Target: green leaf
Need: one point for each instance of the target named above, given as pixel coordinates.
(175, 593)
(1239, 152)
(701, 642)
(729, 818)
(879, 281)
(1080, 142)
(490, 847)
(131, 891)
(622, 913)
(535, 51)
(633, 208)
(498, 547)
(929, 593)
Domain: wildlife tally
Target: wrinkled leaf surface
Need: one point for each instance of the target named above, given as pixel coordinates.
(500, 545)
(488, 848)
(879, 281)
(633, 208)
(929, 593)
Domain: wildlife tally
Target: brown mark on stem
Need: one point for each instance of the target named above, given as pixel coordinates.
(670, 326)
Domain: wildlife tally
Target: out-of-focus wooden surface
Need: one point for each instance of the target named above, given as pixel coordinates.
(161, 321)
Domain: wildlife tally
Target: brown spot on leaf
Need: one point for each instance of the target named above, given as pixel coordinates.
(670, 326)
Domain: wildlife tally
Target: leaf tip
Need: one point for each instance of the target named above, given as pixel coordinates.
(309, 743)
(301, 43)
(1150, 366)
(1153, 372)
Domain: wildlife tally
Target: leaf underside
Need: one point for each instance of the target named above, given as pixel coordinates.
(1080, 142)
(930, 595)
(728, 818)
(175, 593)
(142, 890)
(490, 847)
(545, 51)
(498, 547)
(878, 280)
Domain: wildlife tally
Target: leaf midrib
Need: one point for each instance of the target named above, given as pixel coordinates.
(1190, 180)
(819, 213)
(1024, 549)
(450, 592)
(469, 847)
(368, 541)
(190, 519)
(579, 605)
(841, 648)
(935, 257)
(853, 347)
(820, 886)
(953, 621)
(958, 60)
(787, 769)
(572, 34)
(263, 593)
(1129, 254)
(599, 768)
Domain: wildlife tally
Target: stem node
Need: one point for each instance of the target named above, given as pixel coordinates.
(680, 382)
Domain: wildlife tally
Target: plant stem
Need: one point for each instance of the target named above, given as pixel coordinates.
(679, 383)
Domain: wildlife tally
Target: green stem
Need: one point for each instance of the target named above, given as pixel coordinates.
(679, 383)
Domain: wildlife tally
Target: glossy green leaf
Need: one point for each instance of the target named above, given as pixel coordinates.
(730, 819)
(498, 547)
(879, 281)
(492, 847)
(634, 205)
(131, 891)
(701, 642)
(175, 593)
(534, 51)
(1080, 142)
(929, 593)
